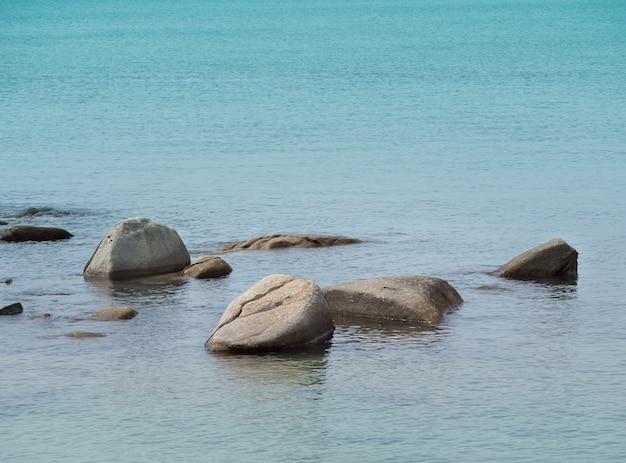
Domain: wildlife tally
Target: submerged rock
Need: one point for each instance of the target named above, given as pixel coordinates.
(137, 247)
(417, 299)
(37, 212)
(285, 241)
(208, 267)
(279, 312)
(115, 313)
(84, 334)
(20, 233)
(12, 309)
(555, 258)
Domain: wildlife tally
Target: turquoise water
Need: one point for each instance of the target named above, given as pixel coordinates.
(449, 135)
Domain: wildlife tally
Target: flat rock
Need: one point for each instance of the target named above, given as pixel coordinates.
(84, 334)
(279, 312)
(115, 313)
(12, 309)
(37, 212)
(21, 233)
(286, 241)
(208, 267)
(137, 247)
(417, 299)
(554, 258)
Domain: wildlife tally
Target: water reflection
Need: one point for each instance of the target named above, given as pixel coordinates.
(558, 288)
(379, 335)
(291, 369)
(162, 288)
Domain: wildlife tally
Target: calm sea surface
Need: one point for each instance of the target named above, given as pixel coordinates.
(449, 135)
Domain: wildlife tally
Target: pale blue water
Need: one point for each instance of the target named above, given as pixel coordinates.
(450, 135)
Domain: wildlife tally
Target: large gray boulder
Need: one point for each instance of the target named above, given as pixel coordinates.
(20, 233)
(279, 312)
(137, 247)
(555, 258)
(281, 240)
(416, 299)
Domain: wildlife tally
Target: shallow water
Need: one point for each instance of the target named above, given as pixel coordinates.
(450, 136)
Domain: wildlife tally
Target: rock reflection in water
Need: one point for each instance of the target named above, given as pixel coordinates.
(292, 369)
(162, 288)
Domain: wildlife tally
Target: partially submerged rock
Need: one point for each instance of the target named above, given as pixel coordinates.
(20, 233)
(279, 312)
(208, 267)
(37, 212)
(84, 334)
(12, 309)
(284, 241)
(115, 313)
(417, 299)
(137, 247)
(555, 258)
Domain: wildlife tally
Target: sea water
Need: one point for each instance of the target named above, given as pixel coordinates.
(449, 135)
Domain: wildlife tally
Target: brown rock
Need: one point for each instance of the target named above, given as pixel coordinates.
(208, 267)
(115, 313)
(84, 334)
(417, 299)
(285, 241)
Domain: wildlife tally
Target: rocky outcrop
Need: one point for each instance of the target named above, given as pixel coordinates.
(286, 241)
(208, 267)
(554, 258)
(12, 309)
(20, 233)
(137, 247)
(115, 313)
(279, 312)
(417, 299)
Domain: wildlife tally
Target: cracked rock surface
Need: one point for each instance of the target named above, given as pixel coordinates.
(279, 312)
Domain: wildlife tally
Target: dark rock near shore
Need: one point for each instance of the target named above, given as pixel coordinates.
(555, 258)
(21, 233)
(416, 299)
(115, 313)
(279, 312)
(286, 241)
(137, 247)
(12, 309)
(208, 267)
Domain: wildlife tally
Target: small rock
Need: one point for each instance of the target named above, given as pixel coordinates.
(115, 313)
(84, 334)
(12, 309)
(208, 267)
(21, 233)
